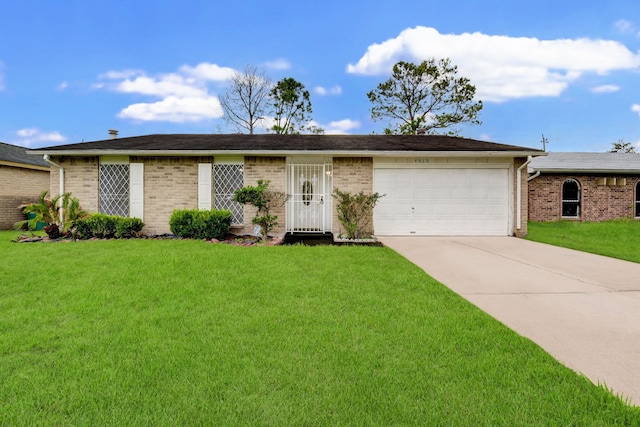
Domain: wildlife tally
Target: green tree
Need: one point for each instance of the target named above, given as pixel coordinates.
(245, 101)
(425, 98)
(622, 147)
(291, 107)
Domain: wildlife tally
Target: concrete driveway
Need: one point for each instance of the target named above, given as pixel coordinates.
(583, 309)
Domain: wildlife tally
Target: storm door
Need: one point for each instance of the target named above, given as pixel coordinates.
(309, 203)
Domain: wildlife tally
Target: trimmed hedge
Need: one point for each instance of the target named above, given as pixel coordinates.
(108, 227)
(127, 228)
(200, 224)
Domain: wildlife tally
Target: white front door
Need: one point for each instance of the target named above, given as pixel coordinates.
(309, 203)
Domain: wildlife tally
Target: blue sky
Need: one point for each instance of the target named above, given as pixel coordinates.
(70, 70)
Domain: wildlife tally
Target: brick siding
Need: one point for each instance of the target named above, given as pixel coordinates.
(351, 174)
(19, 186)
(598, 202)
(170, 183)
(80, 179)
(273, 169)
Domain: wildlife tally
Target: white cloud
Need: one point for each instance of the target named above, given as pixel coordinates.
(624, 26)
(322, 91)
(636, 108)
(605, 89)
(175, 109)
(33, 136)
(278, 64)
(181, 96)
(502, 67)
(266, 123)
(165, 85)
(63, 86)
(117, 75)
(205, 71)
(340, 126)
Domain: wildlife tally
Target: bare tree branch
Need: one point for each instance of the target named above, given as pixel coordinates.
(246, 99)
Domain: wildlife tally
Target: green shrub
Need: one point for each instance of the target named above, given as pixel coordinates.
(128, 227)
(355, 211)
(97, 225)
(200, 224)
(181, 223)
(105, 226)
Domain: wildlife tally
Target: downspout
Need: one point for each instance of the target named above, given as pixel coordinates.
(519, 192)
(534, 176)
(61, 185)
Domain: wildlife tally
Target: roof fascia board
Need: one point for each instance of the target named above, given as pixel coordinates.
(588, 171)
(23, 165)
(334, 153)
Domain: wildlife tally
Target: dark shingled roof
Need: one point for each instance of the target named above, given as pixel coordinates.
(283, 143)
(16, 154)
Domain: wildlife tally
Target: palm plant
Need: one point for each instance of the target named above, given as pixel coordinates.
(71, 212)
(59, 213)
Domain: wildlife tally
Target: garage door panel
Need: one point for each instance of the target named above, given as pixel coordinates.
(455, 201)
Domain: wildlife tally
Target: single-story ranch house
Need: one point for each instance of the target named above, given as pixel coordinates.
(434, 185)
(584, 186)
(22, 179)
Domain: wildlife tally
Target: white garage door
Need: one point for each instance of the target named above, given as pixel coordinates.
(442, 202)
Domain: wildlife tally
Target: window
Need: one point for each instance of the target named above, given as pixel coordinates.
(114, 189)
(570, 199)
(227, 178)
(638, 199)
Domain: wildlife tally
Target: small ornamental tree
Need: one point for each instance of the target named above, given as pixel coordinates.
(355, 211)
(264, 200)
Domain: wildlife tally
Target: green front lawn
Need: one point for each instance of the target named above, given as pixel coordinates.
(617, 239)
(188, 333)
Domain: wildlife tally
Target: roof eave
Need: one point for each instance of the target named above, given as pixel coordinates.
(335, 153)
(24, 165)
(588, 171)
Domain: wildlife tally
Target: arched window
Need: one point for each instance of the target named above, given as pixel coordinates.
(571, 199)
(638, 199)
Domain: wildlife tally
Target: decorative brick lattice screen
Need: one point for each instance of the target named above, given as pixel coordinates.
(114, 189)
(226, 180)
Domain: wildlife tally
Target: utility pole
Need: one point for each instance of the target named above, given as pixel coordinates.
(545, 141)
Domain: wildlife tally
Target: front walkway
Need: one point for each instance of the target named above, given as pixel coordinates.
(583, 309)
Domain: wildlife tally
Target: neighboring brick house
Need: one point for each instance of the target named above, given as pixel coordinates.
(434, 185)
(22, 179)
(584, 186)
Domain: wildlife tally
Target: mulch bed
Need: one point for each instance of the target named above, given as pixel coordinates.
(247, 240)
(232, 239)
